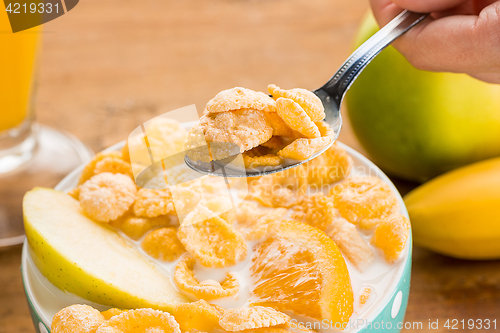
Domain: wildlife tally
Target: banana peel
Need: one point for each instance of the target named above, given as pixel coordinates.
(458, 213)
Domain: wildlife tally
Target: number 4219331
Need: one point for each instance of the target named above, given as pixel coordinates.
(17, 8)
(471, 324)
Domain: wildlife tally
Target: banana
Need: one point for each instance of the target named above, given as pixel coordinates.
(458, 213)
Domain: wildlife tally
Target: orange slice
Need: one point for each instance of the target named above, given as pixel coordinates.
(300, 269)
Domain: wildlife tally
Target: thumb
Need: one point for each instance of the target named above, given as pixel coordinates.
(428, 6)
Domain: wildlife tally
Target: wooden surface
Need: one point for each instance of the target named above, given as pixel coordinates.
(109, 65)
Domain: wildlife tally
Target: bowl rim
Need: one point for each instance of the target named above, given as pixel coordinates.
(70, 179)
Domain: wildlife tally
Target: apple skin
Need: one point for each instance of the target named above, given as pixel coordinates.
(416, 124)
(108, 250)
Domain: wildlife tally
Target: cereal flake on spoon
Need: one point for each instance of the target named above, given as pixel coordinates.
(241, 120)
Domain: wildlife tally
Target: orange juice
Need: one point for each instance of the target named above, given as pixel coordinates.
(17, 62)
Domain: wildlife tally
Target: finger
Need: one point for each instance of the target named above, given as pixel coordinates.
(428, 6)
(466, 8)
(384, 11)
(467, 44)
(488, 77)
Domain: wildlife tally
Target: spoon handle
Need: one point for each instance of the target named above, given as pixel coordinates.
(354, 65)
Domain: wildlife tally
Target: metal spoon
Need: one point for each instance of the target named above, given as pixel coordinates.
(331, 94)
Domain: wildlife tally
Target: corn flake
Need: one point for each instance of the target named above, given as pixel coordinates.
(110, 313)
(311, 103)
(253, 223)
(316, 210)
(251, 318)
(88, 171)
(364, 200)
(352, 245)
(301, 149)
(270, 194)
(275, 329)
(210, 239)
(213, 185)
(324, 128)
(293, 179)
(107, 196)
(154, 330)
(253, 160)
(75, 192)
(113, 165)
(163, 244)
(243, 129)
(135, 227)
(240, 98)
(185, 198)
(153, 203)
(222, 206)
(262, 226)
(77, 319)
(391, 235)
(208, 289)
(196, 146)
(275, 143)
(197, 316)
(296, 118)
(280, 128)
(166, 137)
(141, 320)
(126, 153)
(331, 166)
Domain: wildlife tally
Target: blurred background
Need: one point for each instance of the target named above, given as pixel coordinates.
(109, 65)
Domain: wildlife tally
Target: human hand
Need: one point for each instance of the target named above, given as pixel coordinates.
(461, 36)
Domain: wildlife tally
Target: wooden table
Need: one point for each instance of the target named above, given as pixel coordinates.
(109, 65)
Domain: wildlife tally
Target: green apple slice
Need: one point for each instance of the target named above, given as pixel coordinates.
(88, 259)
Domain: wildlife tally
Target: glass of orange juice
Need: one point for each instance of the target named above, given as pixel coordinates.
(30, 154)
(17, 64)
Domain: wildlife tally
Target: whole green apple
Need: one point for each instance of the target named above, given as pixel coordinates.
(416, 124)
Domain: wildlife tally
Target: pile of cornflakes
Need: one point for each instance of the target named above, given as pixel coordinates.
(296, 227)
(265, 129)
(198, 316)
